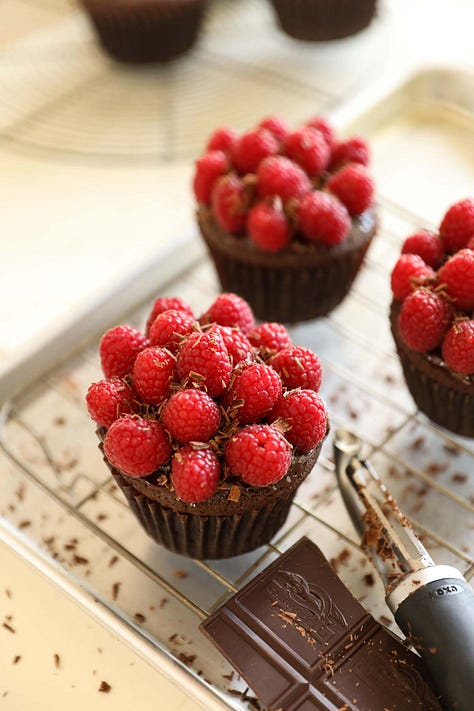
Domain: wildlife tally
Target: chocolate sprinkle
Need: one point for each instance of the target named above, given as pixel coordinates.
(104, 687)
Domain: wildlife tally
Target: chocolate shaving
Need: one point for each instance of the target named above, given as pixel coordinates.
(16, 659)
(9, 627)
(104, 687)
(115, 590)
(57, 661)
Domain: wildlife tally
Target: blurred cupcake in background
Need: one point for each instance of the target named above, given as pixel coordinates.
(321, 20)
(140, 31)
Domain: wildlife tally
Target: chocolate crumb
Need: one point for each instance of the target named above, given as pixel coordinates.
(451, 448)
(459, 478)
(113, 560)
(80, 560)
(104, 687)
(173, 637)
(57, 661)
(115, 590)
(163, 602)
(9, 627)
(8, 593)
(369, 579)
(432, 650)
(187, 659)
(229, 677)
(180, 573)
(59, 421)
(384, 620)
(418, 443)
(24, 524)
(101, 517)
(16, 659)
(138, 617)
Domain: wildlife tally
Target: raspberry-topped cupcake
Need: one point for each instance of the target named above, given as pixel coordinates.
(287, 215)
(432, 318)
(208, 425)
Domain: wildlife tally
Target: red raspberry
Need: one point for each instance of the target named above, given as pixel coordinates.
(259, 455)
(229, 203)
(230, 310)
(257, 387)
(203, 358)
(354, 150)
(275, 125)
(298, 368)
(108, 400)
(195, 474)
(427, 245)
(167, 303)
(309, 149)
(191, 416)
(470, 244)
(457, 226)
(458, 347)
(354, 187)
(169, 327)
(209, 168)
(304, 411)
(279, 176)
(268, 227)
(223, 139)
(270, 337)
(409, 271)
(322, 125)
(237, 344)
(118, 349)
(323, 218)
(136, 446)
(458, 275)
(424, 319)
(251, 148)
(153, 373)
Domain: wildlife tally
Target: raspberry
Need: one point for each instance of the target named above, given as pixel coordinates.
(195, 474)
(424, 319)
(257, 387)
(136, 446)
(191, 416)
(322, 125)
(323, 218)
(268, 227)
(223, 139)
(458, 347)
(270, 337)
(409, 271)
(354, 150)
(304, 411)
(427, 245)
(298, 368)
(308, 148)
(153, 372)
(203, 358)
(251, 148)
(230, 310)
(169, 327)
(354, 187)
(470, 244)
(458, 275)
(229, 203)
(118, 349)
(279, 176)
(237, 344)
(166, 303)
(457, 226)
(209, 168)
(108, 400)
(276, 126)
(259, 455)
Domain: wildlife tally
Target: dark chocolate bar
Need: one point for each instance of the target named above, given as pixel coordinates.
(302, 642)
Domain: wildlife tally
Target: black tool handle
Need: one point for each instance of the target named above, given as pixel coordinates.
(439, 620)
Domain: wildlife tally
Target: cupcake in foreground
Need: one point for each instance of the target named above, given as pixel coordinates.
(208, 425)
(320, 20)
(432, 318)
(139, 31)
(287, 216)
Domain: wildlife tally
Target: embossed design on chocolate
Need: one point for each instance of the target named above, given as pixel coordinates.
(315, 611)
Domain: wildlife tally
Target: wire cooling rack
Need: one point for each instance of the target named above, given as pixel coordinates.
(56, 488)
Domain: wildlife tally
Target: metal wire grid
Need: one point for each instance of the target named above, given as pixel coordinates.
(426, 469)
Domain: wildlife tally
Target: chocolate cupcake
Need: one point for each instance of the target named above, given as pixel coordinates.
(430, 317)
(287, 216)
(139, 31)
(321, 20)
(208, 426)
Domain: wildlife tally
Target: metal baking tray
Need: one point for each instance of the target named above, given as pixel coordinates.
(57, 492)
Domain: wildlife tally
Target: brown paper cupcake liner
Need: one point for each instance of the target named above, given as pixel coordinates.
(320, 20)
(446, 399)
(288, 286)
(146, 32)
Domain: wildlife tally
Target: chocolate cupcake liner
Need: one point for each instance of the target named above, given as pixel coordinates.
(284, 287)
(146, 32)
(235, 528)
(320, 20)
